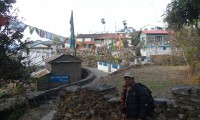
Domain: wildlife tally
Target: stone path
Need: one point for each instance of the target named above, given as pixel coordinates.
(49, 116)
(98, 73)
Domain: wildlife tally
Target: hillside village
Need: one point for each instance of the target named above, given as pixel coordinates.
(109, 53)
(82, 76)
(106, 51)
(107, 47)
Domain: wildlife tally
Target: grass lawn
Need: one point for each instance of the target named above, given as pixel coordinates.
(160, 79)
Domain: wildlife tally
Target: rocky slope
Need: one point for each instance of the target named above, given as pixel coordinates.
(94, 102)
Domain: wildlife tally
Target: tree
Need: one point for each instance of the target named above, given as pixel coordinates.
(125, 24)
(180, 13)
(136, 43)
(11, 67)
(183, 16)
(125, 43)
(103, 22)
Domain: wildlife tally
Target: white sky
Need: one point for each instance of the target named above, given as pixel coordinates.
(54, 15)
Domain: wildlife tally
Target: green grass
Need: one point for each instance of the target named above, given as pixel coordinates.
(158, 85)
(160, 79)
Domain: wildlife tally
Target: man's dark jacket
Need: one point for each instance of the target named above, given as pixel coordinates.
(136, 101)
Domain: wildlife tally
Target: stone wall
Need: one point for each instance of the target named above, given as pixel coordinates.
(35, 99)
(91, 102)
(187, 100)
(44, 84)
(101, 101)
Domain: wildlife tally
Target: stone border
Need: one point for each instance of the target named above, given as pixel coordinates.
(54, 91)
(35, 98)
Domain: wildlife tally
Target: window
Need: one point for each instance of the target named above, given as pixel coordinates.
(83, 40)
(63, 46)
(158, 39)
(142, 38)
(166, 39)
(150, 39)
(164, 48)
(98, 41)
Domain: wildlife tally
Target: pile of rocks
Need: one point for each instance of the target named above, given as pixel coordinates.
(92, 102)
(100, 102)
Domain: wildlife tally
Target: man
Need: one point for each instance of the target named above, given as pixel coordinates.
(134, 99)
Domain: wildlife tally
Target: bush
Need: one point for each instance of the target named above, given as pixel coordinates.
(167, 60)
(18, 89)
(4, 95)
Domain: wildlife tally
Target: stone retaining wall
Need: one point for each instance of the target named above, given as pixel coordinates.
(34, 99)
(87, 103)
(184, 106)
(44, 83)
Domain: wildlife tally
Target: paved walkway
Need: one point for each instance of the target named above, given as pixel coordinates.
(98, 74)
(49, 116)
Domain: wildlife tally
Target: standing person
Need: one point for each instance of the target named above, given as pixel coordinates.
(134, 99)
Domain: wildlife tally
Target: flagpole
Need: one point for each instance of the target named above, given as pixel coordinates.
(72, 37)
(73, 41)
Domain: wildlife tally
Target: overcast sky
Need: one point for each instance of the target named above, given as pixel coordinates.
(54, 15)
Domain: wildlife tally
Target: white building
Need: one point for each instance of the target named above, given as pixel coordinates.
(36, 54)
(157, 42)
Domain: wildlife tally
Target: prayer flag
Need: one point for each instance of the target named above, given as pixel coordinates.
(31, 29)
(21, 27)
(120, 43)
(3, 20)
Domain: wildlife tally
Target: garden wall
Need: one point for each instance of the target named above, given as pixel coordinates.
(102, 102)
(184, 106)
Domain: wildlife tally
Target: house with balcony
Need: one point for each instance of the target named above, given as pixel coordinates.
(156, 42)
(99, 40)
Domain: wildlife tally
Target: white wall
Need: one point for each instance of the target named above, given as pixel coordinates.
(107, 68)
(37, 56)
(158, 51)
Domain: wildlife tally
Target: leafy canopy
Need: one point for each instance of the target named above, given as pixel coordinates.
(180, 13)
(11, 67)
(136, 43)
(183, 16)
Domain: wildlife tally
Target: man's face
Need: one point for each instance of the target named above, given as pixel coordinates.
(128, 80)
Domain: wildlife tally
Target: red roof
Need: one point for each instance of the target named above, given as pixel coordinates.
(101, 36)
(89, 42)
(86, 42)
(155, 32)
